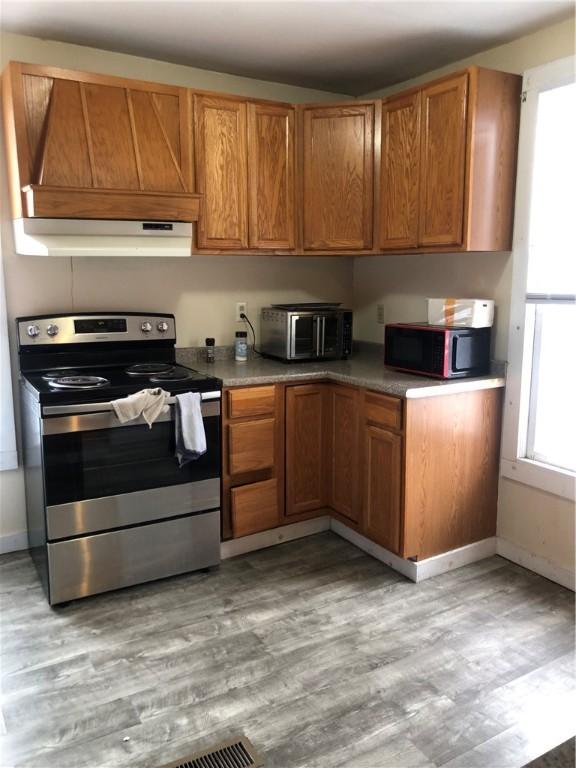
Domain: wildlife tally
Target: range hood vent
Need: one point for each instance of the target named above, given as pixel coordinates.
(94, 237)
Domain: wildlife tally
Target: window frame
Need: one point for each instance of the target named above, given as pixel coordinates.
(514, 464)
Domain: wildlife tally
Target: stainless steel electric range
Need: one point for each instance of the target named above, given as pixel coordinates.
(108, 505)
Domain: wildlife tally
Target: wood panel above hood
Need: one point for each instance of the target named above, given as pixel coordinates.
(96, 146)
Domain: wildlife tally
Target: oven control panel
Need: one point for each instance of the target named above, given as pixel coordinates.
(84, 328)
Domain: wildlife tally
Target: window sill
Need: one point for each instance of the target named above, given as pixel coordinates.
(560, 482)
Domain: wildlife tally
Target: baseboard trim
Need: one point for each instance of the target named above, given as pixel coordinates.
(13, 542)
(405, 567)
(455, 558)
(275, 536)
(539, 565)
(422, 569)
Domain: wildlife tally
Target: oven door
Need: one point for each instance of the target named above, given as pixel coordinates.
(100, 474)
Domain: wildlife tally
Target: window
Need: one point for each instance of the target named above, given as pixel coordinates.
(540, 419)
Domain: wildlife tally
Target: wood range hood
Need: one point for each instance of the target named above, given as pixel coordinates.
(85, 147)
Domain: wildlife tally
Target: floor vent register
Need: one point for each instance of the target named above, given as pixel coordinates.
(238, 753)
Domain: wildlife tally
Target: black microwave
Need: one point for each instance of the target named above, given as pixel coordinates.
(436, 350)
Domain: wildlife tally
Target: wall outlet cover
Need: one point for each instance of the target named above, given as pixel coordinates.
(380, 314)
(241, 309)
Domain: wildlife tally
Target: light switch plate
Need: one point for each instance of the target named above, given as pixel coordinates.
(380, 314)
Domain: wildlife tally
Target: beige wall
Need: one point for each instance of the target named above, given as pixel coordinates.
(539, 525)
(201, 291)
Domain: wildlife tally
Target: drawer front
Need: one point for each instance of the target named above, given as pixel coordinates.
(252, 401)
(250, 446)
(92, 564)
(383, 410)
(254, 507)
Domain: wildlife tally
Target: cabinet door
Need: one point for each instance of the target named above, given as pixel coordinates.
(338, 153)
(305, 448)
(343, 451)
(382, 486)
(271, 176)
(221, 173)
(443, 162)
(400, 172)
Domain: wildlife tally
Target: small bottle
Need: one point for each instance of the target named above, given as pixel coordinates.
(241, 347)
(210, 357)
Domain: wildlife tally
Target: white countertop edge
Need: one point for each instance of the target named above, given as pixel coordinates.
(455, 387)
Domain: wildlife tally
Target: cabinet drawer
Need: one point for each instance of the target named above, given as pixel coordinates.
(254, 507)
(250, 446)
(383, 410)
(252, 401)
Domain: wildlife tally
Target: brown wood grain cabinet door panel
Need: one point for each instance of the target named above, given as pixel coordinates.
(221, 171)
(343, 451)
(383, 410)
(338, 195)
(451, 486)
(443, 162)
(254, 507)
(80, 137)
(400, 172)
(271, 176)
(305, 448)
(382, 486)
(250, 446)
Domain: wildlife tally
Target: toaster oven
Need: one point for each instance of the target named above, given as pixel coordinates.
(306, 332)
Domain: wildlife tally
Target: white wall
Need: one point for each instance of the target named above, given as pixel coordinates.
(201, 291)
(536, 528)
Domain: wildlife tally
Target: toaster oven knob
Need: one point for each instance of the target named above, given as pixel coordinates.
(162, 326)
(52, 330)
(33, 330)
(146, 327)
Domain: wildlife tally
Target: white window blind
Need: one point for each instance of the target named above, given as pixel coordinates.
(8, 455)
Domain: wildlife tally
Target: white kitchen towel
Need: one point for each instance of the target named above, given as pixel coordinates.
(148, 403)
(190, 434)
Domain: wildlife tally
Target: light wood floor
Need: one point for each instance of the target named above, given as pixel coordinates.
(321, 655)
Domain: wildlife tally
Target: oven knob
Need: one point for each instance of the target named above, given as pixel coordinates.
(146, 327)
(162, 326)
(33, 330)
(52, 330)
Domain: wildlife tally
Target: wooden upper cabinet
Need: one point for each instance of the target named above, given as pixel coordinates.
(337, 160)
(271, 176)
(448, 164)
(221, 171)
(93, 146)
(400, 172)
(443, 162)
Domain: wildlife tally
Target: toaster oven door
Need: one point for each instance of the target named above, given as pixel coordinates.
(305, 336)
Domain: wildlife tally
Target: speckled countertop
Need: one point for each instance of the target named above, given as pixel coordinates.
(364, 369)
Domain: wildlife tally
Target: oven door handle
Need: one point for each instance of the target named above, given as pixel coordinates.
(81, 408)
(107, 419)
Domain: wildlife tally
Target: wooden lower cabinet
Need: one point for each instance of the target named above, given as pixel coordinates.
(252, 459)
(255, 507)
(306, 448)
(382, 494)
(343, 446)
(417, 476)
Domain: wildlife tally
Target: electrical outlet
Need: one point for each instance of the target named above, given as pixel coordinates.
(380, 314)
(241, 309)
